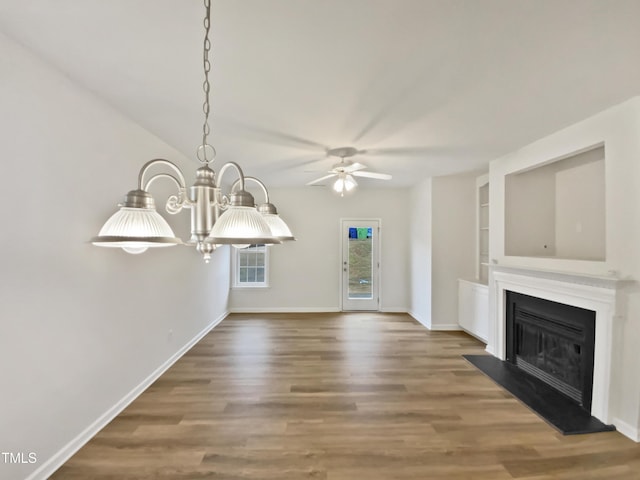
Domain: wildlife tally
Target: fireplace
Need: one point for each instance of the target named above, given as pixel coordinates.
(554, 342)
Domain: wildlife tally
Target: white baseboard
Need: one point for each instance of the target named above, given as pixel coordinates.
(443, 327)
(483, 340)
(446, 327)
(284, 310)
(489, 349)
(419, 319)
(627, 430)
(59, 458)
(305, 310)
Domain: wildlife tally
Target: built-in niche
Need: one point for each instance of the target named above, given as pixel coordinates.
(557, 209)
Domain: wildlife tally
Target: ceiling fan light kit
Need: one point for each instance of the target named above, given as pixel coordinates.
(216, 219)
(344, 183)
(346, 170)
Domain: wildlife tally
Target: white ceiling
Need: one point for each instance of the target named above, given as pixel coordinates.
(428, 87)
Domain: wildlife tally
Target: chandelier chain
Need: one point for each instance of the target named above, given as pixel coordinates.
(206, 153)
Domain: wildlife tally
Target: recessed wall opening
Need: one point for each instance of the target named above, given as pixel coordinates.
(557, 209)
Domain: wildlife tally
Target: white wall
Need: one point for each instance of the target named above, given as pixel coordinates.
(80, 327)
(619, 129)
(420, 252)
(305, 274)
(530, 213)
(580, 211)
(442, 232)
(453, 240)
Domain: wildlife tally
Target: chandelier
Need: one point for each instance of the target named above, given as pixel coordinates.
(216, 218)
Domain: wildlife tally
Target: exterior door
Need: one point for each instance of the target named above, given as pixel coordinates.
(360, 264)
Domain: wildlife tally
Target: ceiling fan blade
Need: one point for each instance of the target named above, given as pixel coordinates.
(269, 136)
(296, 164)
(318, 180)
(408, 151)
(354, 167)
(378, 176)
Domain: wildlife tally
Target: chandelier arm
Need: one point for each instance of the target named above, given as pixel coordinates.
(161, 161)
(175, 203)
(255, 180)
(162, 175)
(241, 176)
(224, 202)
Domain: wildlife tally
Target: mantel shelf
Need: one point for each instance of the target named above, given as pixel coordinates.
(606, 281)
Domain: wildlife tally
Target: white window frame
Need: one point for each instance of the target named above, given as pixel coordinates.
(235, 269)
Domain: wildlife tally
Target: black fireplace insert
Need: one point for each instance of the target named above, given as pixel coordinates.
(553, 342)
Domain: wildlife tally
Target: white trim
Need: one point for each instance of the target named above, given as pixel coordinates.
(249, 286)
(446, 327)
(627, 430)
(393, 310)
(65, 453)
(309, 309)
(420, 320)
(284, 309)
(609, 281)
(468, 332)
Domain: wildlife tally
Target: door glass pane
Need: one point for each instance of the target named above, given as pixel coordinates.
(360, 262)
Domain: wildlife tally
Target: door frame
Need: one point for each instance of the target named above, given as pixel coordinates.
(377, 261)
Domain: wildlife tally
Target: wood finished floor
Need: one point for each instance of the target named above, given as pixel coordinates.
(338, 397)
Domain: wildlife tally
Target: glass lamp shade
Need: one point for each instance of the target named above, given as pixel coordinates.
(241, 225)
(278, 227)
(345, 183)
(134, 230)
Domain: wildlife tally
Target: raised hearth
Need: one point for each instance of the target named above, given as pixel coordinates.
(555, 408)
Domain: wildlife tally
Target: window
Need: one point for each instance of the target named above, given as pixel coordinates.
(251, 266)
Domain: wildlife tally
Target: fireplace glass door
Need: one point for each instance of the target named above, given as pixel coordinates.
(553, 342)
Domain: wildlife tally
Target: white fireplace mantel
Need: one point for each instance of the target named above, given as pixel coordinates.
(592, 292)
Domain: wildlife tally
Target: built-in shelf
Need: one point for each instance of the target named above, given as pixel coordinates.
(473, 295)
(482, 223)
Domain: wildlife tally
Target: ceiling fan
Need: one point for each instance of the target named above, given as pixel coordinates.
(346, 170)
